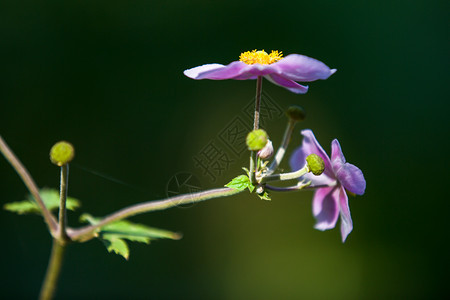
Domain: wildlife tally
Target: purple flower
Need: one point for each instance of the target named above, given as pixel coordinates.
(330, 198)
(278, 70)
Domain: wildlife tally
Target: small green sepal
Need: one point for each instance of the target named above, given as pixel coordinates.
(265, 196)
(62, 153)
(315, 164)
(256, 140)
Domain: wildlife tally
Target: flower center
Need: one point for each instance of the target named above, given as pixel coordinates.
(260, 57)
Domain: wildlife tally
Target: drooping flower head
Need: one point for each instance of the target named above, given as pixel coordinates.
(330, 199)
(282, 71)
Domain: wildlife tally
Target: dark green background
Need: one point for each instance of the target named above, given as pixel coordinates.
(107, 76)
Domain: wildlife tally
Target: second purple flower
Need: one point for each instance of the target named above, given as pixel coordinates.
(330, 199)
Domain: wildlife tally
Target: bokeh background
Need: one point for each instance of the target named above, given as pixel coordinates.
(107, 76)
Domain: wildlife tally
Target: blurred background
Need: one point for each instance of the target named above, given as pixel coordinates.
(108, 77)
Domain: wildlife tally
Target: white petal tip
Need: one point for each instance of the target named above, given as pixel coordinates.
(323, 226)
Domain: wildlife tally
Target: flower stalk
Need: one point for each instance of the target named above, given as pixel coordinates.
(53, 271)
(299, 186)
(255, 125)
(282, 150)
(285, 176)
(257, 102)
(63, 197)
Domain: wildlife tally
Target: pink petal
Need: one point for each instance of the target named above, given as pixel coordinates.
(336, 153)
(350, 176)
(311, 146)
(287, 83)
(195, 72)
(236, 70)
(302, 68)
(298, 160)
(346, 219)
(216, 71)
(326, 207)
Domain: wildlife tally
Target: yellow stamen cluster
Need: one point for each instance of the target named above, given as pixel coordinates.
(260, 57)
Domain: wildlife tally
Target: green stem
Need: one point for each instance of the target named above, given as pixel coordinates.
(255, 125)
(88, 232)
(257, 102)
(282, 150)
(63, 197)
(30, 184)
(53, 270)
(252, 167)
(286, 176)
(298, 187)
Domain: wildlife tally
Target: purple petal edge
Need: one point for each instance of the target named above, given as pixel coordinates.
(346, 219)
(303, 68)
(350, 176)
(310, 145)
(195, 72)
(326, 207)
(287, 83)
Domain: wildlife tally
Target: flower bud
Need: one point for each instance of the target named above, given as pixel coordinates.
(62, 153)
(296, 113)
(256, 140)
(260, 189)
(315, 164)
(267, 151)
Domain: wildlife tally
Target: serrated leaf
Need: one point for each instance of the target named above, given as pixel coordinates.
(240, 183)
(124, 229)
(50, 197)
(265, 196)
(116, 245)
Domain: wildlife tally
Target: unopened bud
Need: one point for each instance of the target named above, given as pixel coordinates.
(62, 153)
(260, 189)
(315, 164)
(296, 113)
(256, 140)
(267, 151)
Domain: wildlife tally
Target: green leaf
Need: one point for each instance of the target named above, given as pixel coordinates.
(114, 234)
(240, 183)
(265, 196)
(50, 198)
(116, 245)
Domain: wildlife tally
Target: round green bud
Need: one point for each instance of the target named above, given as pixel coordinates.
(296, 113)
(315, 164)
(62, 153)
(256, 140)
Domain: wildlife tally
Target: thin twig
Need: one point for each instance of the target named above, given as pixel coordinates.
(30, 184)
(86, 233)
